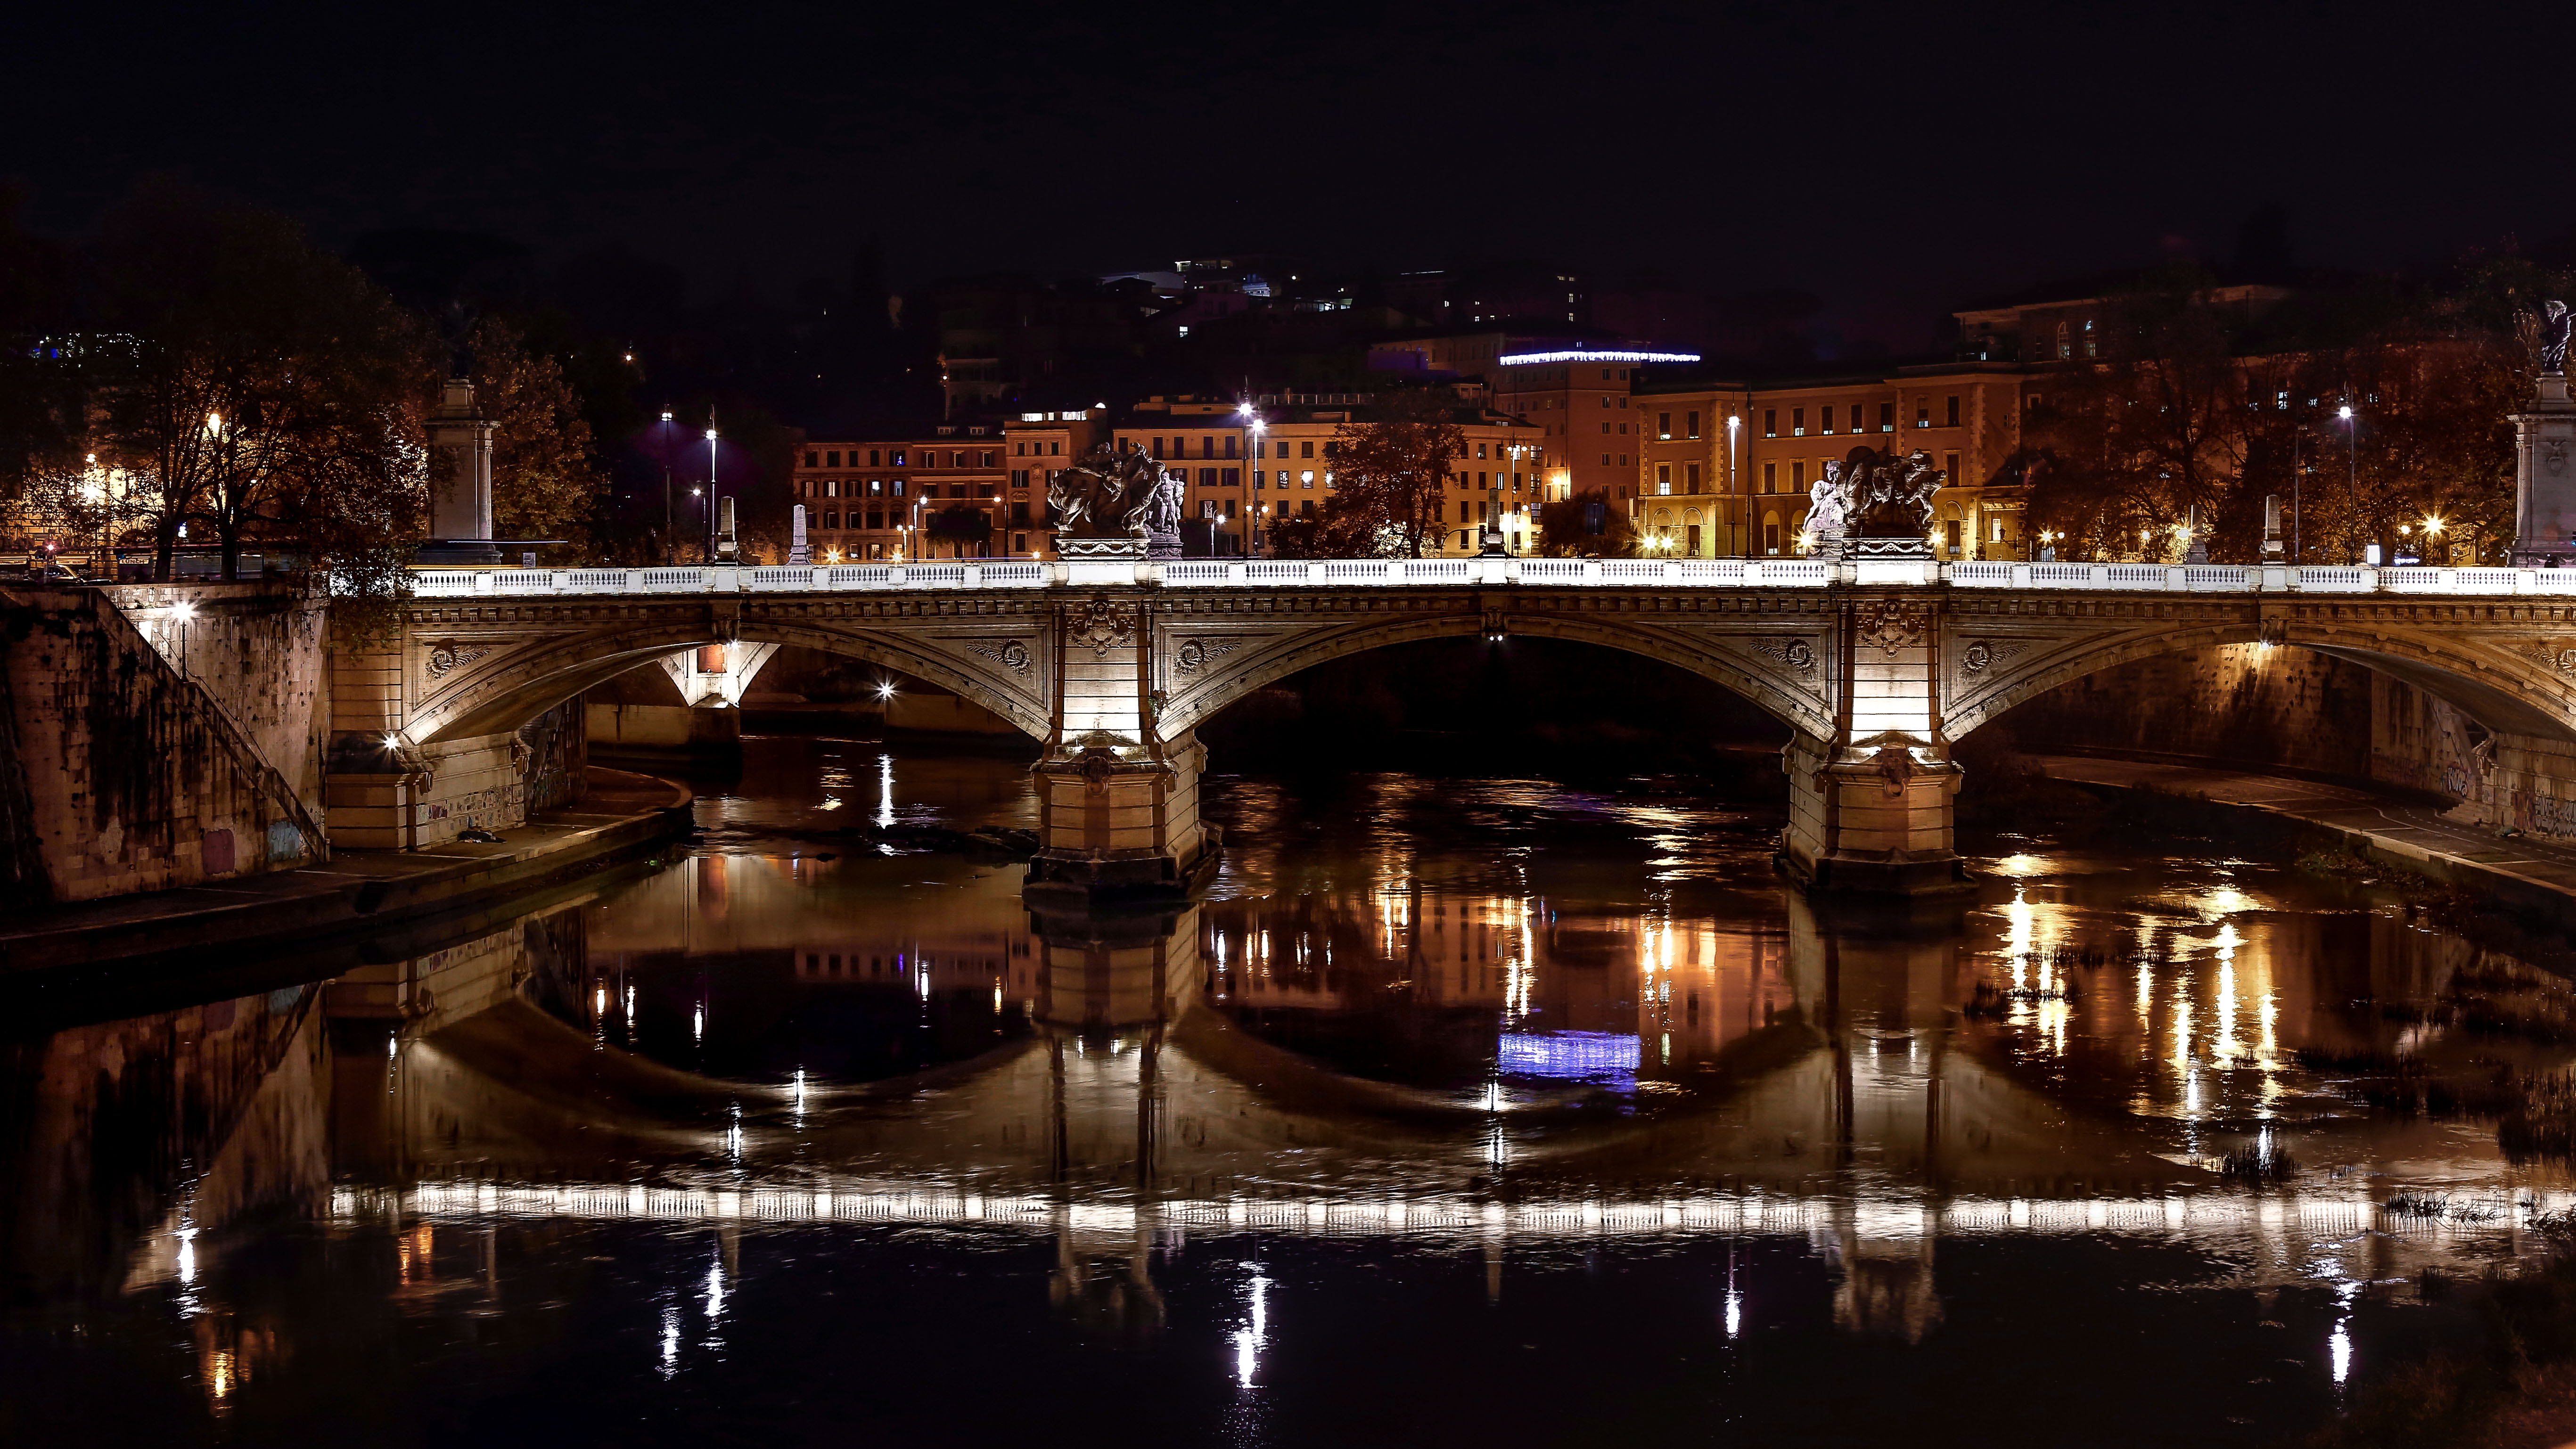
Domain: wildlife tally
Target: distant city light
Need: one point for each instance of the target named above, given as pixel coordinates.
(1526, 359)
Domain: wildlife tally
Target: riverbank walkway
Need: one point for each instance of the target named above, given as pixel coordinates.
(2541, 872)
(355, 889)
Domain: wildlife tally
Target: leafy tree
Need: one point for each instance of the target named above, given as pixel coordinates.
(546, 477)
(963, 525)
(250, 384)
(1586, 524)
(1389, 475)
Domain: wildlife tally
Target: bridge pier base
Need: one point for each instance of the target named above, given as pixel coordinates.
(1872, 819)
(1112, 827)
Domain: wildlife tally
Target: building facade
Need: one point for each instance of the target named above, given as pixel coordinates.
(942, 493)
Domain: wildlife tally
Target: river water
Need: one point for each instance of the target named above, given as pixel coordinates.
(1460, 1111)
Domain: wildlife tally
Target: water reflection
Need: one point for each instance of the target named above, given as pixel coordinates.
(1422, 1032)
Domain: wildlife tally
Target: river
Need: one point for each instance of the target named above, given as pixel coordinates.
(1460, 1111)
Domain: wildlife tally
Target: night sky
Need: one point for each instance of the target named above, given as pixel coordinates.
(1897, 160)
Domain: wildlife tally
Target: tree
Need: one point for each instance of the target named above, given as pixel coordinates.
(249, 383)
(1389, 477)
(2133, 442)
(546, 478)
(1585, 524)
(962, 524)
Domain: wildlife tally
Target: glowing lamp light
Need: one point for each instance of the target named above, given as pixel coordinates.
(2344, 413)
(183, 611)
(666, 415)
(393, 742)
(711, 435)
(885, 691)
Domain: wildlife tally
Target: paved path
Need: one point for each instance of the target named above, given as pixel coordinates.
(2386, 821)
(353, 888)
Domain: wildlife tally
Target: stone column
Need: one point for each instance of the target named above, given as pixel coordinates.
(460, 481)
(2544, 478)
(1118, 813)
(1869, 810)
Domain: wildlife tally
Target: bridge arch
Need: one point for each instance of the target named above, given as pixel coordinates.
(2501, 690)
(1763, 684)
(521, 687)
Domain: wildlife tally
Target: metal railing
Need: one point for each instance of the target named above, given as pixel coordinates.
(1456, 572)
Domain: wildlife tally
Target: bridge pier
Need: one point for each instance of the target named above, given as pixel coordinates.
(1118, 802)
(1870, 808)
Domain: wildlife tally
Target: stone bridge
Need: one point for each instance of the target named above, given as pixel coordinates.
(1876, 669)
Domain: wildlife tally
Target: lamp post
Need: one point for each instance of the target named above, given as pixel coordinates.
(707, 511)
(1734, 476)
(670, 545)
(2352, 461)
(1252, 525)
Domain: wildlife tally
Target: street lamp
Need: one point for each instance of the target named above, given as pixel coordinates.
(2352, 461)
(707, 511)
(670, 544)
(1254, 503)
(1735, 474)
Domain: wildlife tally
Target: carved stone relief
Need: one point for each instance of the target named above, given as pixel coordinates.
(450, 655)
(1102, 626)
(1198, 654)
(1891, 624)
(1011, 654)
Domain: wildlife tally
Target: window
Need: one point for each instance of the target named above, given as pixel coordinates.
(1798, 476)
(1207, 477)
(1229, 445)
(1605, 402)
(1056, 447)
(1158, 447)
(2088, 337)
(1605, 427)
(1480, 450)
(1770, 477)
(1797, 422)
(895, 458)
(1663, 478)
(1623, 430)
(1232, 477)
(1922, 412)
(1950, 469)
(831, 518)
(876, 486)
(897, 490)
(876, 518)
(1954, 413)
(1663, 427)
(1623, 460)
(1825, 419)
(1950, 531)
(1019, 543)
(2063, 348)
(1693, 478)
(1306, 479)
(1283, 477)
(1887, 417)
(1605, 460)
(1305, 450)
(1019, 514)
(1770, 422)
(809, 459)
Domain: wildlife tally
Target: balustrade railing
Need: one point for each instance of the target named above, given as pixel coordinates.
(1724, 573)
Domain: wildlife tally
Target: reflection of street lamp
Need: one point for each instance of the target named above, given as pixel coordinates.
(903, 543)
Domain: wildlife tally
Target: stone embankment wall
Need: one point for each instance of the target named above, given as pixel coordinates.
(149, 745)
(2273, 707)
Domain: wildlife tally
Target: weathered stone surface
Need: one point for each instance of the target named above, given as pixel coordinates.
(158, 736)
